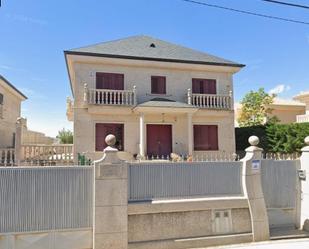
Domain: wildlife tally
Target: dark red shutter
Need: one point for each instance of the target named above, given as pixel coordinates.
(158, 85)
(195, 86)
(111, 81)
(205, 137)
(204, 86)
(212, 88)
(102, 130)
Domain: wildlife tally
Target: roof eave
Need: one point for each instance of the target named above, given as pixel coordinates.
(153, 59)
(23, 97)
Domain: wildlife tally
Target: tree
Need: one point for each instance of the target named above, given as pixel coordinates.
(65, 136)
(255, 109)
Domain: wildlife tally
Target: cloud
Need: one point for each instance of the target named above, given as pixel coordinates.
(26, 19)
(11, 68)
(279, 89)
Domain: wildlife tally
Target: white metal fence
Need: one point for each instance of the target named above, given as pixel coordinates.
(148, 181)
(281, 185)
(45, 198)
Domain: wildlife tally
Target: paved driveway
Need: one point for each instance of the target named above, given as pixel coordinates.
(278, 244)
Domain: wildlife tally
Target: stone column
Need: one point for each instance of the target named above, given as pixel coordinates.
(141, 135)
(20, 124)
(190, 134)
(110, 217)
(253, 190)
(304, 164)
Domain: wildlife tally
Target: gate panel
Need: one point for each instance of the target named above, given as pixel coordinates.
(281, 189)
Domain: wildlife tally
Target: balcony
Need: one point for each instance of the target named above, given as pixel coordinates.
(210, 101)
(302, 118)
(110, 97)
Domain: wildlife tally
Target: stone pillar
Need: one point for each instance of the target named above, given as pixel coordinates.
(21, 123)
(190, 134)
(189, 96)
(304, 165)
(253, 190)
(110, 217)
(141, 135)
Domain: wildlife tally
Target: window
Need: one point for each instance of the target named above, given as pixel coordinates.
(1, 99)
(104, 129)
(113, 81)
(158, 85)
(204, 86)
(205, 137)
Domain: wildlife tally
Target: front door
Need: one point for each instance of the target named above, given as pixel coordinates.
(159, 140)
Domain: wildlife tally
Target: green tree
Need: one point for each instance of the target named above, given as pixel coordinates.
(65, 136)
(255, 109)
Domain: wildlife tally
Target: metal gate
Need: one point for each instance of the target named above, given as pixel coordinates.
(281, 187)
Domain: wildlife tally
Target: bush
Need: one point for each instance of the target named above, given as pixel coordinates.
(242, 134)
(282, 138)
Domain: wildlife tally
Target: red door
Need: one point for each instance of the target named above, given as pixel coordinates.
(159, 140)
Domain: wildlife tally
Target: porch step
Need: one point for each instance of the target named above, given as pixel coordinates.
(287, 233)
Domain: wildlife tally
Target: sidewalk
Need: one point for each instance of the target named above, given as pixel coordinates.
(278, 244)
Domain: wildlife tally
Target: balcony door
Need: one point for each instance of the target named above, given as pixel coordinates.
(159, 140)
(109, 81)
(204, 86)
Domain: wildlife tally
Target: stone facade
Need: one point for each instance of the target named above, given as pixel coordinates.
(83, 69)
(10, 108)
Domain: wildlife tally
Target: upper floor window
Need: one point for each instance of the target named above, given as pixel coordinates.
(158, 84)
(1, 99)
(204, 86)
(113, 81)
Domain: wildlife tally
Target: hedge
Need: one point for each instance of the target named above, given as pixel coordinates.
(283, 138)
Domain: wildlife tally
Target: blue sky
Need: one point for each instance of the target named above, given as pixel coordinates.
(33, 35)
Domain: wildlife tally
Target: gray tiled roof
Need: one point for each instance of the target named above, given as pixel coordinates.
(149, 48)
(165, 103)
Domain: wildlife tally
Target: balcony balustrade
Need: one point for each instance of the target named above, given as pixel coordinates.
(302, 118)
(210, 101)
(110, 97)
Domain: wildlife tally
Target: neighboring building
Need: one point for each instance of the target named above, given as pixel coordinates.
(34, 137)
(304, 98)
(155, 96)
(285, 110)
(10, 108)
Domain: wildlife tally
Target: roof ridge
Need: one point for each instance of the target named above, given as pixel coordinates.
(105, 42)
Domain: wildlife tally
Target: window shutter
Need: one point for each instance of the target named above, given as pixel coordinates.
(111, 81)
(158, 84)
(103, 129)
(205, 137)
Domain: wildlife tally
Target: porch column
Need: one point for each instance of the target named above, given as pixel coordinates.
(141, 135)
(190, 134)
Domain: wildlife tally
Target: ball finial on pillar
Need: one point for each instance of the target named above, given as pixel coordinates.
(253, 140)
(307, 140)
(110, 140)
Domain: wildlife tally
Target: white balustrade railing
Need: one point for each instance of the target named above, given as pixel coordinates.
(110, 97)
(211, 101)
(302, 118)
(7, 157)
(42, 155)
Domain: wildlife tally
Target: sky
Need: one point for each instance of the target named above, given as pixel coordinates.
(34, 34)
